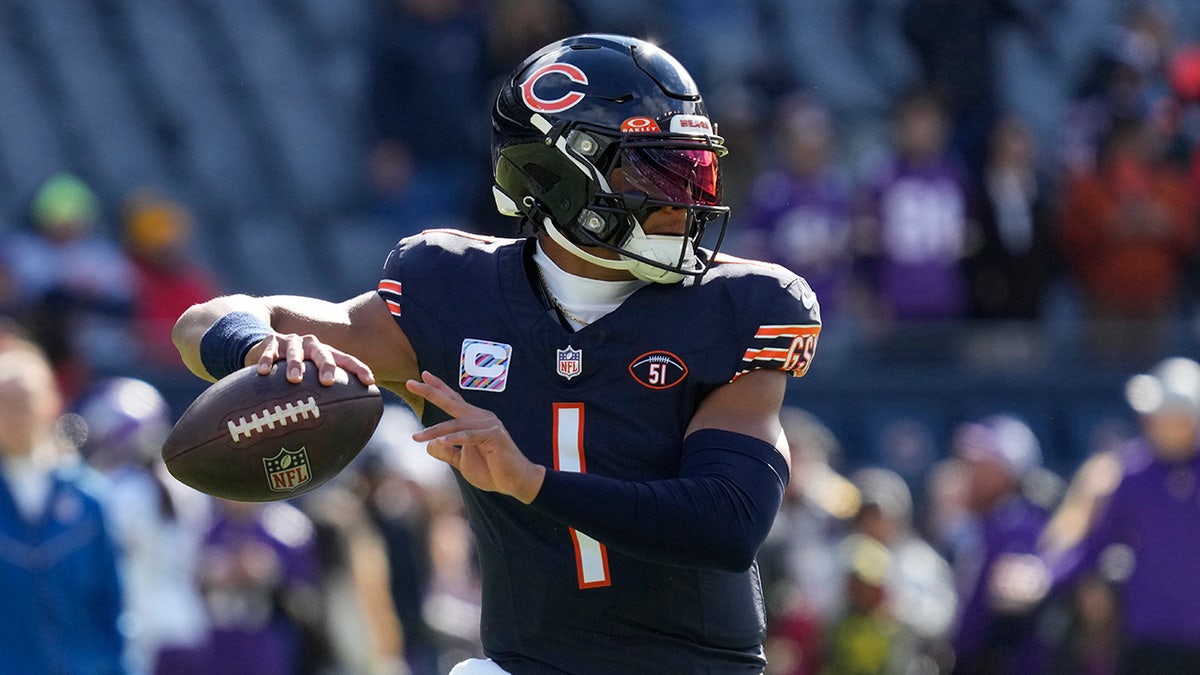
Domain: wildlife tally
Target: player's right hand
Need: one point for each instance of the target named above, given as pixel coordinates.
(296, 349)
(476, 443)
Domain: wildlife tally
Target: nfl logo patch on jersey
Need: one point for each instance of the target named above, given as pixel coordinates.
(287, 470)
(570, 362)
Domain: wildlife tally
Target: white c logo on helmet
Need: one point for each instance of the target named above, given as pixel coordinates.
(564, 102)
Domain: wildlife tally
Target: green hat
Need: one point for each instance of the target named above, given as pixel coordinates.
(65, 200)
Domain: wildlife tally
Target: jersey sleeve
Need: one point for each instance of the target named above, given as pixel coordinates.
(416, 284)
(391, 282)
(784, 326)
(416, 272)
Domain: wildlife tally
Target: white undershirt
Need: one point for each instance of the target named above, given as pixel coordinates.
(584, 299)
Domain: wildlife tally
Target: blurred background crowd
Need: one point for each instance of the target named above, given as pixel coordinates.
(997, 202)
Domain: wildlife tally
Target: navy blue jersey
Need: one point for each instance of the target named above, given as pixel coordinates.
(614, 398)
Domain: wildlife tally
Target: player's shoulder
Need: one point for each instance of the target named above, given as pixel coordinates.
(757, 281)
(454, 242)
(444, 249)
(731, 266)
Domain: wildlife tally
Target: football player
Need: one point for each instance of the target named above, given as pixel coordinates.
(607, 389)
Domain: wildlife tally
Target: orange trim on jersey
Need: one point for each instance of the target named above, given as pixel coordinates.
(390, 285)
(766, 354)
(606, 580)
(393, 307)
(786, 331)
(579, 442)
(602, 550)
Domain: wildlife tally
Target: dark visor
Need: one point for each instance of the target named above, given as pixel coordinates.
(673, 174)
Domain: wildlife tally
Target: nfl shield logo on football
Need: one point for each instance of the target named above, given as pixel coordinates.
(287, 470)
(570, 362)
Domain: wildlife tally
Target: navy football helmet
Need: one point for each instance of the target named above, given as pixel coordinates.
(594, 132)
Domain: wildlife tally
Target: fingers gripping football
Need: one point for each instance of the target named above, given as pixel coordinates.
(476, 443)
(296, 349)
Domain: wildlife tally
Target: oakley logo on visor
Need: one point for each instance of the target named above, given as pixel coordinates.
(556, 105)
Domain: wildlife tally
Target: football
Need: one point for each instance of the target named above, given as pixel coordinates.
(259, 438)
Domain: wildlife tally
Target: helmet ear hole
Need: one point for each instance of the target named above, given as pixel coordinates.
(599, 225)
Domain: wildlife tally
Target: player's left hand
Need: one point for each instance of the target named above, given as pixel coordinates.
(476, 443)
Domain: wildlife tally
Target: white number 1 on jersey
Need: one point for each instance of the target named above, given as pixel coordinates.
(591, 557)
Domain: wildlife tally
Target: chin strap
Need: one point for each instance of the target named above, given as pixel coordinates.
(661, 248)
(658, 247)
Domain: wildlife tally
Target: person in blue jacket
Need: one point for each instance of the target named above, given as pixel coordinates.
(58, 572)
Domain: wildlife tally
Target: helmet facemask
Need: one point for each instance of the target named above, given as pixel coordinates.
(630, 176)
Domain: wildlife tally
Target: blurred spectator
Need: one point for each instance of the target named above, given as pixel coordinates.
(359, 619)
(798, 211)
(949, 523)
(1128, 231)
(1126, 82)
(400, 489)
(258, 573)
(75, 286)
(992, 636)
(799, 562)
(1091, 486)
(907, 442)
(58, 568)
(157, 523)
(1091, 638)
(1143, 536)
(956, 44)
(867, 639)
(1011, 269)
(427, 84)
(1091, 643)
(919, 583)
(166, 277)
(911, 222)
(1184, 77)
(453, 604)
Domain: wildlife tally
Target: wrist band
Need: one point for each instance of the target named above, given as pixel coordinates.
(225, 344)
